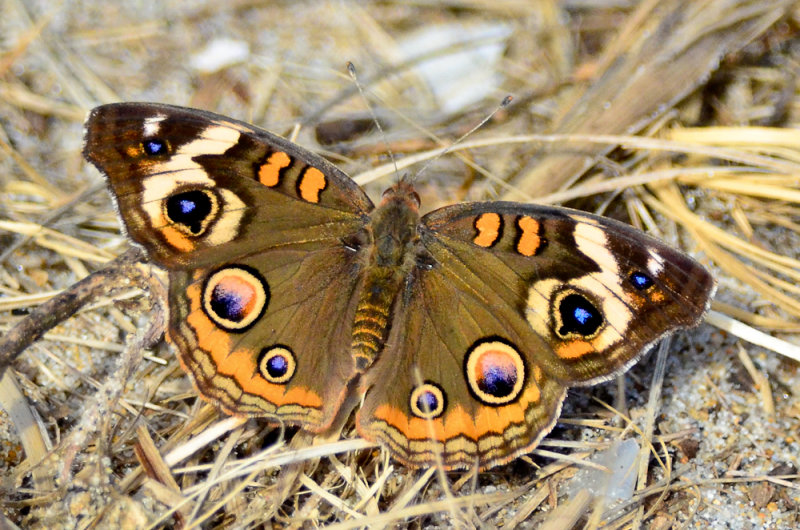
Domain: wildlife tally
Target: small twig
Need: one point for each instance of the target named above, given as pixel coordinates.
(119, 273)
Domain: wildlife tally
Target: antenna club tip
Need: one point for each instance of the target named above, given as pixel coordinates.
(507, 101)
(351, 68)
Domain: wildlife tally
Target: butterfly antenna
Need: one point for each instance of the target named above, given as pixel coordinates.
(351, 69)
(503, 104)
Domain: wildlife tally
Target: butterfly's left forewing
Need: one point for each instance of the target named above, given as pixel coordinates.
(510, 306)
(194, 187)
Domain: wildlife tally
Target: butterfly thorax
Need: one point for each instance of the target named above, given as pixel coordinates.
(394, 245)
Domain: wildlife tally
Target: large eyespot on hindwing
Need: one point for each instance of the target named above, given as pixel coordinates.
(495, 371)
(277, 364)
(428, 401)
(191, 211)
(235, 297)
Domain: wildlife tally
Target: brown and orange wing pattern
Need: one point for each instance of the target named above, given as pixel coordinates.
(252, 230)
(513, 304)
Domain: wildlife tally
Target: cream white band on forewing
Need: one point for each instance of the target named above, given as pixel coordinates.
(180, 171)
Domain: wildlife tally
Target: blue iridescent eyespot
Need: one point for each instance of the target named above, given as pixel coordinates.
(154, 147)
(277, 364)
(230, 304)
(428, 401)
(641, 280)
(190, 209)
(579, 316)
(498, 380)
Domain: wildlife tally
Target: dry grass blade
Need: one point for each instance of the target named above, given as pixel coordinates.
(660, 57)
(33, 437)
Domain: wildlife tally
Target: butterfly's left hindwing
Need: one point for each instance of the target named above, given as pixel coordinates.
(258, 344)
(514, 304)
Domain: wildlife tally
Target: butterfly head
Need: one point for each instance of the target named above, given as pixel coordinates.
(402, 192)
